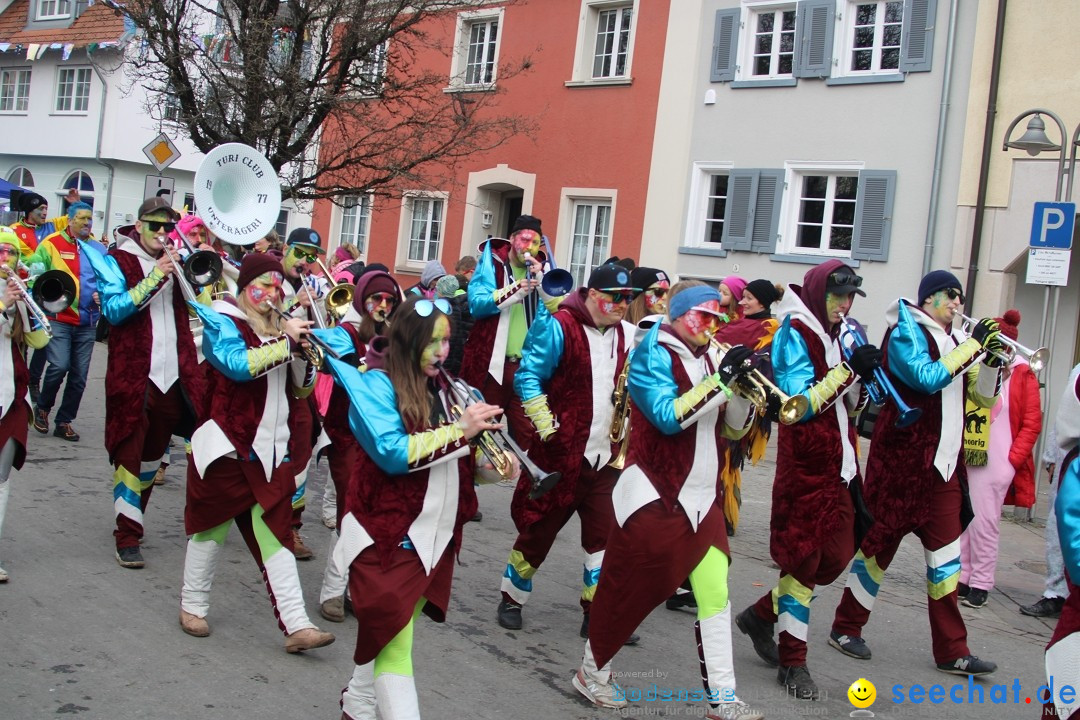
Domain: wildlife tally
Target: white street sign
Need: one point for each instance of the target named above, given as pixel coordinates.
(161, 152)
(1048, 267)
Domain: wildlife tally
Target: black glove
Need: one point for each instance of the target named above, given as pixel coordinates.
(986, 333)
(738, 360)
(865, 359)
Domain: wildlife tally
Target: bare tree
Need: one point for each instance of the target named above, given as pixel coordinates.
(329, 90)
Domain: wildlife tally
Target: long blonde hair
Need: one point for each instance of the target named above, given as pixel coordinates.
(263, 324)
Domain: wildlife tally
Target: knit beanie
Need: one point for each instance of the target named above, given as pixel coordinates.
(1009, 323)
(446, 286)
(936, 280)
(736, 285)
(764, 291)
(255, 264)
(431, 272)
(642, 278)
(370, 283)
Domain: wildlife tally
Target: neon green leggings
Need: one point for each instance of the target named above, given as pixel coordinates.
(260, 540)
(710, 583)
(396, 655)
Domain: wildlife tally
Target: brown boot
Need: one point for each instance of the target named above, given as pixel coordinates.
(307, 639)
(159, 476)
(194, 625)
(300, 550)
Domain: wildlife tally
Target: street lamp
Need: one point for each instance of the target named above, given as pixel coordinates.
(1034, 141)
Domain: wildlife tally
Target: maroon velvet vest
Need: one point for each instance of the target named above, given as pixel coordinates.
(127, 376)
(481, 341)
(336, 421)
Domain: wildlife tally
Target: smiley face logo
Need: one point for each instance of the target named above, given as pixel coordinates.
(862, 693)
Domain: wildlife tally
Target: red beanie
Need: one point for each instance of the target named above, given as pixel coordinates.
(255, 264)
(1009, 323)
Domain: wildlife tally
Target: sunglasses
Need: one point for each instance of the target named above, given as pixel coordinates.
(426, 307)
(303, 255)
(157, 225)
(840, 279)
(954, 294)
(379, 298)
(657, 292)
(619, 297)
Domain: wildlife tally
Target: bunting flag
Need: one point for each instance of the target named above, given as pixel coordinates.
(32, 51)
(67, 50)
(41, 51)
(4, 47)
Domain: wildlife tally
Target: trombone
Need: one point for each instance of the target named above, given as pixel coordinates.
(757, 388)
(201, 268)
(339, 296)
(54, 291)
(317, 351)
(1036, 358)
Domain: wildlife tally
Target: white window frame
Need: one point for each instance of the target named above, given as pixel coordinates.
(585, 53)
(844, 40)
(795, 171)
(409, 199)
(57, 9)
(77, 72)
(86, 196)
(572, 198)
(22, 170)
(459, 61)
(373, 70)
(753, 9)
(13, 77)
(355, 236)
(700, 192)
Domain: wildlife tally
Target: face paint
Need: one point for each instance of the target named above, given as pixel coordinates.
(379, 305)
(437, 349)
(836, 304)
(9, 256)
(944, 308)
(266, 287)
(526, 241)
(295, 263)
(153, 240)
(656, 298)
(38, 215)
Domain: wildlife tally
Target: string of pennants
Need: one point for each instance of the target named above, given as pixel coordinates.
(34, 51)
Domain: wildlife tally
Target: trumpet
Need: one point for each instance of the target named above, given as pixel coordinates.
(497, 446)
(317, 350)
(880, 389)
(1036, 358)
(620, 420)
(53, 292)
(339, 297)
(757, 388)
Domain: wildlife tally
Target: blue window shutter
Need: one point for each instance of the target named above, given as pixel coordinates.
(917, 45)
(739, 218)
(766, 222)
(873, 215)
(725, 41)
(814, 25)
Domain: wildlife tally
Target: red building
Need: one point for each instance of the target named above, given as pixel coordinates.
(592, 91)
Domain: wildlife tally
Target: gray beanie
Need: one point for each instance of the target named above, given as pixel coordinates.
(446, 286)
(432, 272)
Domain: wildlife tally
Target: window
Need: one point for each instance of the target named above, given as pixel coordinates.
(591, 237)
(15, 90)
(80, 181)
(21, 176)
(423, 232)
(875, 36)
(52, 9)
(838, 211)
(355, 221)
(475, 61)
(372, 72)
(605, 44)
(282, 224)
(73, 90)
(771, 43)
(716, 208)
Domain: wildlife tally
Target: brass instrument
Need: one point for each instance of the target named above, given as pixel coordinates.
(201, 268)
(556, 281)
(1036, 358)
(54, 291)
(620, 421)
(317, 350)
(497, 446)
(339, 296)
(757, 388)
(880, 388)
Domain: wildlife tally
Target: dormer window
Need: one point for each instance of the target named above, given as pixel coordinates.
(53, 9)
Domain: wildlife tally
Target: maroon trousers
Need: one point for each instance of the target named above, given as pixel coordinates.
(942, 528)
(820, 567)
(147, 443)
(341, 457)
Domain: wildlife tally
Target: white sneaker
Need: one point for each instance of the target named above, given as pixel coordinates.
(734, 710)
(3, 575)
(607, 695)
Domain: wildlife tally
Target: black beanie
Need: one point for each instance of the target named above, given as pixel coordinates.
(937, 280)
(764, 291)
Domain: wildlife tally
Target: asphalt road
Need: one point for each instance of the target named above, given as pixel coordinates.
(81, 636)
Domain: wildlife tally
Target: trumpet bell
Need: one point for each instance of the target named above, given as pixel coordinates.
(908, 416)
(54, 291)
(339, 299)
(793, 409)
(203, 268)
(541, 483)
(557, 282)
(1038, 360)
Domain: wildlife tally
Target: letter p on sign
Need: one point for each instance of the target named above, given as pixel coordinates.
(1052, 225)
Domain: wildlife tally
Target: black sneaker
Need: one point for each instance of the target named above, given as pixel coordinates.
(1045, 607)
(130, 557)
(761, 634)
(975, 598)
(850, 645)
(680, 601)
(509, 615)
(967, 665)
(477, 517)
(797, 680)
(41, 420)
(66, 432)
(962, 590)
(584, 632)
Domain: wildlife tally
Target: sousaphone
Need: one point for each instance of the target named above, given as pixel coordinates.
(237, 193)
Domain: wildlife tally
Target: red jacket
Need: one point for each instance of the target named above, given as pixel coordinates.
(1025, 420)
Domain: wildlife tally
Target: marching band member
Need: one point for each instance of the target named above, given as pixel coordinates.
(916, 481)
(240, 469)
(154, 386)
(504, 301)
(376, 296)
(199, 235)
(16, 329)
(652, 288)
(570, 360)
(1064, 645)
(668, 519)
(411, 493)
(815, 493)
